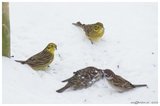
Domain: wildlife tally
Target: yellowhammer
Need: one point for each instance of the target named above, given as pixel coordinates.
(93, 31)
(41, 61)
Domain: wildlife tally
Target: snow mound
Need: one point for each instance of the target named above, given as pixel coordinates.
(129, 48)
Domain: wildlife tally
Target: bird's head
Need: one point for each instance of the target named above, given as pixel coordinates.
(109, 74)
(98, 27)
(51, 47)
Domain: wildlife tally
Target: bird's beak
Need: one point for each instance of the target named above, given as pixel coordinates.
(56, 47)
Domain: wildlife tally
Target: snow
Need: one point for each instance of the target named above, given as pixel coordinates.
(129, 48)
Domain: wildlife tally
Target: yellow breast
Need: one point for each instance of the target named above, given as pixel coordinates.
(95, 36)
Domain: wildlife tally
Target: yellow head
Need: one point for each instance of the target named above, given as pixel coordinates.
(98, 27)
(51, 47)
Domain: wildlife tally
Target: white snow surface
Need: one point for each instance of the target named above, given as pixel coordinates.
(130, 41)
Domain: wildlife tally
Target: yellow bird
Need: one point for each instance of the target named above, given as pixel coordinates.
(93, 31)
(41, 60)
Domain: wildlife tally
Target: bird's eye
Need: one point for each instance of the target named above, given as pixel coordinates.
(106, 75)
(96, 27)
(48, 47)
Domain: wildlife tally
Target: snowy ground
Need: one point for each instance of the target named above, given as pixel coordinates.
(130, 41)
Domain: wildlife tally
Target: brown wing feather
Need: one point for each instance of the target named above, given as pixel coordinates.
(87, 29)
(124, 83)
(40, 59)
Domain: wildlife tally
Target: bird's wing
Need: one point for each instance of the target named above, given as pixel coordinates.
(121, 82)
(88, 29)
(40, 59)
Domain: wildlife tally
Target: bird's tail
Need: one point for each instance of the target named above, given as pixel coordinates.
(140, 85)
(23, 62)
(79, 24)
(68, 79)
(64, 88)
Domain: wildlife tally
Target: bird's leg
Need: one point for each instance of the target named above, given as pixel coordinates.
(91, 42)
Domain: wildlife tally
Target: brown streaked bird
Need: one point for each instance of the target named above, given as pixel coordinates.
(83, 78)
(93, 31)
(41, 60)
(118, 83)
